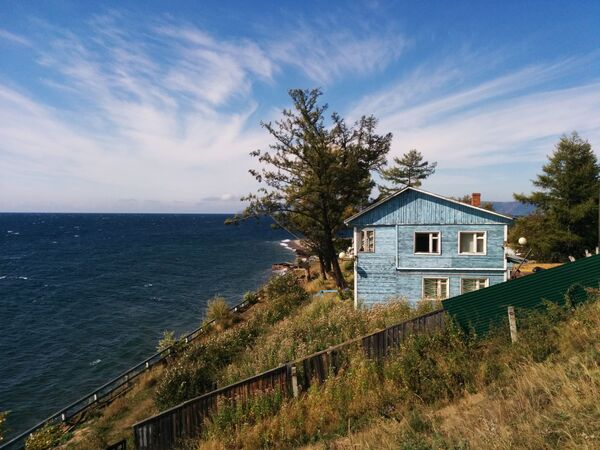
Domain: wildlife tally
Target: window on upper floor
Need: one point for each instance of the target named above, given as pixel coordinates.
(435, 288)
(472, 243)
(367, 241)
(427, 242)
(473, 284)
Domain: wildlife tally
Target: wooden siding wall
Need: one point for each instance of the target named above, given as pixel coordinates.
(413, 207)
(379, 279)
(449, 257)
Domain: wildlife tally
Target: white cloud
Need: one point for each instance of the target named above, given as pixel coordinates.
(509, 118)
(171, 122)
(324, 55)
(14, 38)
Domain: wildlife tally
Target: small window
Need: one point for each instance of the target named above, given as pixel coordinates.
(367, 241)
(435, 288)
(471, 243)
(473, 284)
(428, 242)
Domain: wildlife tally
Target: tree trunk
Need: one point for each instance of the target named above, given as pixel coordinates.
(338, 276)
(327, 262)
(322, 267)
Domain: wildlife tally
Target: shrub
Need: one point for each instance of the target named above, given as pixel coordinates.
(233, 414)
(283, 295)
(167, 340)
(251, 297)
(537, 332)
(219, 313)
(433, 367)
(46, 438)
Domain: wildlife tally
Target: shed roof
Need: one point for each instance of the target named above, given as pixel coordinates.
(410, 188)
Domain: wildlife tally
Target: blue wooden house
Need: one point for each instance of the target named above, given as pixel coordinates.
(418, 245)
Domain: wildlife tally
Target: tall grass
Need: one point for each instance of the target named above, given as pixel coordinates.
(218, 312)
(447, 390)
(198, 366)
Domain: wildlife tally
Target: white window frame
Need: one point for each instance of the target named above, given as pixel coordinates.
(360, 232)
(439, 239)
(435, 278)
(460, 233)
(462, 283)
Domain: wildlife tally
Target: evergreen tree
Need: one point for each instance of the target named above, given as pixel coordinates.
(314, 175)
(409, 170)
(566, 219)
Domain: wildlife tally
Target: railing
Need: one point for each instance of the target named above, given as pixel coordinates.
(172, 427)
(114, 387)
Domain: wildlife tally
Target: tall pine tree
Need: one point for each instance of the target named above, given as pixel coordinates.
(315, 174)
(566, 220)
(410, 170)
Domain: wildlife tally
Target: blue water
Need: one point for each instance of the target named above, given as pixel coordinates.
(83, 297)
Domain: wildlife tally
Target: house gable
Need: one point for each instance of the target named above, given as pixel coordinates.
(414, 206)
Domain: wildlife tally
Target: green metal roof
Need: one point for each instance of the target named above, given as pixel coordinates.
(480, 309)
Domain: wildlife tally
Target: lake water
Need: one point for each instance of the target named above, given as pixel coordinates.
(83, 297)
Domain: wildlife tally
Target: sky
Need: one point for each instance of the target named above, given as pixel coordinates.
(153, 106)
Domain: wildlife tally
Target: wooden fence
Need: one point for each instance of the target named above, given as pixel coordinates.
(115, 387)
(170, 428)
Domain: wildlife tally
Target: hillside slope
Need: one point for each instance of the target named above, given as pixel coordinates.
(445, 391)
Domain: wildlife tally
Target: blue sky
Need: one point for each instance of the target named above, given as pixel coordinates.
(154, 106)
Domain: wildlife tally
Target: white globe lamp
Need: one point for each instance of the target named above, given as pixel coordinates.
(522, 241)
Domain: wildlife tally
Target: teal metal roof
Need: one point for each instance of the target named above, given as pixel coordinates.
(480, 309)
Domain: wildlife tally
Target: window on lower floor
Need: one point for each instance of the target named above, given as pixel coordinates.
(435, 288)
(367, 241)
(473, 284)
(427, 242)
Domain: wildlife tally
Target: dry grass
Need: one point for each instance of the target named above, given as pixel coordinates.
(113, 423)
(554, 404)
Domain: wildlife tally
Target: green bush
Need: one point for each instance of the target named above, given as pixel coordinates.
(283, 295)
(433, 367)
(46, 438)
(251, 297)
(167, 340)
(232, 414)
(219, 314)
(537, 332)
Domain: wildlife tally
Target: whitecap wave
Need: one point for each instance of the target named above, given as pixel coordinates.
(96, 361)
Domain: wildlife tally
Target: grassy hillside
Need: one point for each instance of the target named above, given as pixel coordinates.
(445, 391)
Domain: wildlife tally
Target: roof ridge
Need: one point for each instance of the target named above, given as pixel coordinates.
(397, 193)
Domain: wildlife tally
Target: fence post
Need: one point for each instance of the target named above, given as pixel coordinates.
(294, 381)
(512, 322)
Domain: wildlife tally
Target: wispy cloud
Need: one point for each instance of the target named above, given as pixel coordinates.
(161, 119)
(461, 123)
(13, 38)
(324, 55)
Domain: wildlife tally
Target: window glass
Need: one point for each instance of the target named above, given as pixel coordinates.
(427, 242)
(367, 241)
(473, 284)
(435, 288)
(471, 242)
